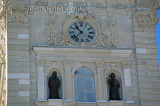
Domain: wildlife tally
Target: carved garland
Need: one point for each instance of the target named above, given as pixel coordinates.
(101, 40)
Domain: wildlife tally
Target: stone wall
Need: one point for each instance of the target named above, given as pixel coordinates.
(18, 58)
(3, 55)
(131, 23)
(145, 20)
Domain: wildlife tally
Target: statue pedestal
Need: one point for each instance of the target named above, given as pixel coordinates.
(116, 103)
(55, 102)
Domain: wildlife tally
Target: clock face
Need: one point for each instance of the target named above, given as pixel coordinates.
(81, 32)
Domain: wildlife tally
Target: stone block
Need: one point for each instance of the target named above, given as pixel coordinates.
(19, 87)
(141, 50)
(26, 82)
(146, 56)
(18, 41)
(23, 93)
(18, 70)
(18, 104)
(55, 102)
(102, 104)
(40, 103)
(18, 30)
(18, 58)
(130, 104)
(18, 75)
(13, 81)
(85, 104)
(116, 103)
(19, 64)
(23, 36)
(18, 100)
(18, 47)
(69, 103)
(18, 53)
(12, 93)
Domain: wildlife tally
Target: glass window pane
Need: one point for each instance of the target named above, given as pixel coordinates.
(80, 97)
(79, 83)
(87, 72)
(90, 97)
(79, 72)
(89, 84)
(84, 85)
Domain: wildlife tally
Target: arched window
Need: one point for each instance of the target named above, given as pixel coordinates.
(84, 85)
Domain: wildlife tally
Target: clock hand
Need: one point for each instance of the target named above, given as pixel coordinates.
(77, 36)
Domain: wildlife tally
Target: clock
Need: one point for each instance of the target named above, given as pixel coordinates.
(80, 32)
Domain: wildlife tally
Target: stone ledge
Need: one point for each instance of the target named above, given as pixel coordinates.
(45, 50)
(60, 102)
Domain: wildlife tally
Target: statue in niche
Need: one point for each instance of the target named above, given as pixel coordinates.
(54, 84)
(114, 86)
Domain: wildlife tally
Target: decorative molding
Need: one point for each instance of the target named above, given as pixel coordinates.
(61, 38)
(109, 40)
(145, 19)
(17, 10)
(57, 40)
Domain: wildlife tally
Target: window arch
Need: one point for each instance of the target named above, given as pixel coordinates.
(84, 85)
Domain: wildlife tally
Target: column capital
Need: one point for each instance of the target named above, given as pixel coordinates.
(100, 64)
(126, 64)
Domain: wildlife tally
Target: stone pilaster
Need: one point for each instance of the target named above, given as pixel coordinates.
(101, 83)
(68, 81)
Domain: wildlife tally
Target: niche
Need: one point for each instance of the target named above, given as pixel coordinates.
(114, 86)
(60, 88)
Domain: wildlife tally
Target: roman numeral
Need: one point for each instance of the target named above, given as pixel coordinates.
(90, 28)
(91, 32)
(82, 40)
(91, 37)
(87, 40)
(73, 36)
(71, 32)
(81, 24)
(77, 39)
(76, 25)
(72, 28)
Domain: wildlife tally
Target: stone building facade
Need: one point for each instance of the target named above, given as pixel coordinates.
(102, 36)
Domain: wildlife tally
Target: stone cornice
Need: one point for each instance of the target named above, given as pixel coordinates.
(115, 52)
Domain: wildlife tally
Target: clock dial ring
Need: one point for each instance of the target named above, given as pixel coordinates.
(81, 31)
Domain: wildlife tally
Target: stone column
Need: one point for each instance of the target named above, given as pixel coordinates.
(68, 80)
(40, 73)
(101, 82)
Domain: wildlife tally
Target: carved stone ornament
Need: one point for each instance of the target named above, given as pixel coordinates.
(145, 19)
(17, 10)
(62, 38)
(57, 40)
(107, 40)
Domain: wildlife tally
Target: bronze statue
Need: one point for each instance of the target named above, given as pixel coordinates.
(114, 86)
(54, 84)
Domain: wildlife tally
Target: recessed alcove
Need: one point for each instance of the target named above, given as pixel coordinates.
(59, 76)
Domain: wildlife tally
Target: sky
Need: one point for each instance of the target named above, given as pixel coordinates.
(158, 38)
